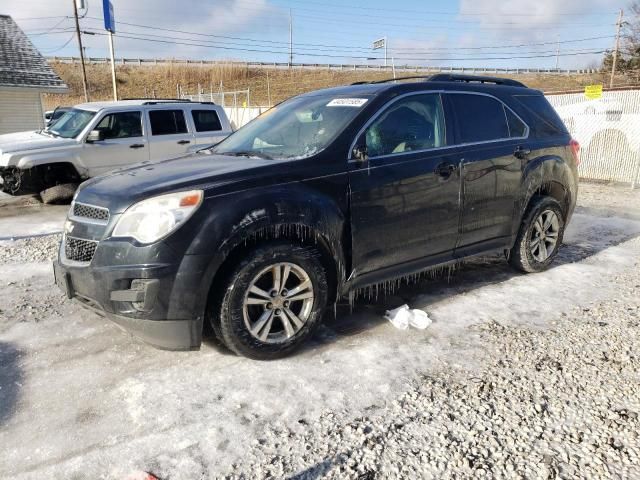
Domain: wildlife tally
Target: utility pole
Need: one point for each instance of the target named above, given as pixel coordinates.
(558, 53)
(615, 51)
(385, 51)
(113, 67)
(290, 39)
(84, 72)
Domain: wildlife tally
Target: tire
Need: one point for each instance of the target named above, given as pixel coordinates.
(58, 193)
(275, 332)
(16, 181)
(527, 254)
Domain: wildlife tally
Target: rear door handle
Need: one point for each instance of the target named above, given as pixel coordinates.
(445, 169)
(184, 142)
(136, 145)
(522, 152)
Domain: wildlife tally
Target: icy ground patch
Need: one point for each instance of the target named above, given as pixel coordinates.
(532, 374)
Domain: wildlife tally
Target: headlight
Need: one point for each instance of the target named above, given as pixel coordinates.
(154, 218)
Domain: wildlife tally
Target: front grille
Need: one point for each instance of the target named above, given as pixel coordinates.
(79, 250)
(83, 210)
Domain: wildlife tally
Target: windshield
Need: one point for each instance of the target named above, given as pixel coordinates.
(297, 128)
(71, 123)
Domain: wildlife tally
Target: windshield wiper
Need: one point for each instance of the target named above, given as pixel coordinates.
(248, 153)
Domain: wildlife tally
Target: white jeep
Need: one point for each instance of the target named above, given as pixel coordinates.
(95, 138)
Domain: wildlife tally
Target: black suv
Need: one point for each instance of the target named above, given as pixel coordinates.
(327, 193)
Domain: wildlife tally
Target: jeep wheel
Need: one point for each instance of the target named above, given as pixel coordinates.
(539, 237)
(16, 181)
(59, 193)
(273, 302)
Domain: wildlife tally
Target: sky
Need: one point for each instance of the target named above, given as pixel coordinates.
(467, 33)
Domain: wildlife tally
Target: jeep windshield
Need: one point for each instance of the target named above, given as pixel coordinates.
(295, 129)
(71, 123)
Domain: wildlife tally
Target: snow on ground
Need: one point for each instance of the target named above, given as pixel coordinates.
(81, 399)
(25, 216)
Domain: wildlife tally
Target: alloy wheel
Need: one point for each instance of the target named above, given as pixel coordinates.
(544, 235)
(278, 302)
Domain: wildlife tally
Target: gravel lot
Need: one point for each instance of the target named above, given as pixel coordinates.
(531, 376)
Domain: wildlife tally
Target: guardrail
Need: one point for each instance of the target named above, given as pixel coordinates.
(324, 66)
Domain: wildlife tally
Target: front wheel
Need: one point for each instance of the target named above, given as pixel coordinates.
(539, 237)
(274, 300)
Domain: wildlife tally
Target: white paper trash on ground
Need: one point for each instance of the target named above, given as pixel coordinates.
(403, 316)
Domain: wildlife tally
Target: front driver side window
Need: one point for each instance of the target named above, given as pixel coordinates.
(412, 123)
(121, 125)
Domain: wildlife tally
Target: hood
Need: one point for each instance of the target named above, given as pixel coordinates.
(121, 188)
(21, 141)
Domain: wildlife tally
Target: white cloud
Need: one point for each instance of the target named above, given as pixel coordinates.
(238, 18)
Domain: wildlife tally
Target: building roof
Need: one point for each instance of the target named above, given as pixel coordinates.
(21, 64)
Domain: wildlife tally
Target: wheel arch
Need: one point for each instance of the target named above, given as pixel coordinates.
(548, 175)
(299, 215)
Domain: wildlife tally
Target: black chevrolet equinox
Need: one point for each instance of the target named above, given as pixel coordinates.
(328, 193)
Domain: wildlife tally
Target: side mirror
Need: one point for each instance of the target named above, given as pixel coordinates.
(359, 153)
(95, 136)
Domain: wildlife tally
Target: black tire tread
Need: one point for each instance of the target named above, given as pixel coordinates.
(520, 257)
(223, 320)
(58, 193)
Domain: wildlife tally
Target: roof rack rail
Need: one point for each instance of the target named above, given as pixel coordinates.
(155, 101)
(387, 80)
(449, 77)
(158, 99)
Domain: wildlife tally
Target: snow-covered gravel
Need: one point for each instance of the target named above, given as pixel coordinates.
(26, 250)
(559, 402)
(532, 376)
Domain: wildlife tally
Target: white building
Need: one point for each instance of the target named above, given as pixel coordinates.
(24, 76)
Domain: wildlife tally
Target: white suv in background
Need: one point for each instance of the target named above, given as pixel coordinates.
(95, 138)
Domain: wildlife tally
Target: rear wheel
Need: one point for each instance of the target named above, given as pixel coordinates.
(274, 300)
(539, 237)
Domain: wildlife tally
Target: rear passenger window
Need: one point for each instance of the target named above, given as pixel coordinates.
(206, 120)
(478, 118)
(167, 122)
(517, 128)
(413, 123)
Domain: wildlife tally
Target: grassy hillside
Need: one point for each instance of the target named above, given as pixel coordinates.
(276, 84)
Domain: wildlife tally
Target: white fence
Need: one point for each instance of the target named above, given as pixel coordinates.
(608, 130)
(323, 66)
(239, 116)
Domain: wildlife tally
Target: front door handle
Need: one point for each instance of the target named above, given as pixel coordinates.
(184, 142)
(137, 145)
(522, 152)
(445, 169)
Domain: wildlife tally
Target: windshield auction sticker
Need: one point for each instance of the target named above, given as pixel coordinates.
(347, 102)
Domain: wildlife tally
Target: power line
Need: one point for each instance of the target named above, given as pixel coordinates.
(401, 56)
(344, 48)
(55, 49)
(177, 42)
(385, 17)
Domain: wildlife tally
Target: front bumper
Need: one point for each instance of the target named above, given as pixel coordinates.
(158, 303)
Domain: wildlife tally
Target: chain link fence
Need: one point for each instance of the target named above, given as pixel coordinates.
(608, 129)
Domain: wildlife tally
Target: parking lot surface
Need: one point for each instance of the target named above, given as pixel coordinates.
(527, 375)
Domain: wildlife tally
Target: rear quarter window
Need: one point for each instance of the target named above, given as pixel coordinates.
(206, 120)
(546, 120)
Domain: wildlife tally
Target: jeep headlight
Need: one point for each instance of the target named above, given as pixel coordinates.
(154, 218)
